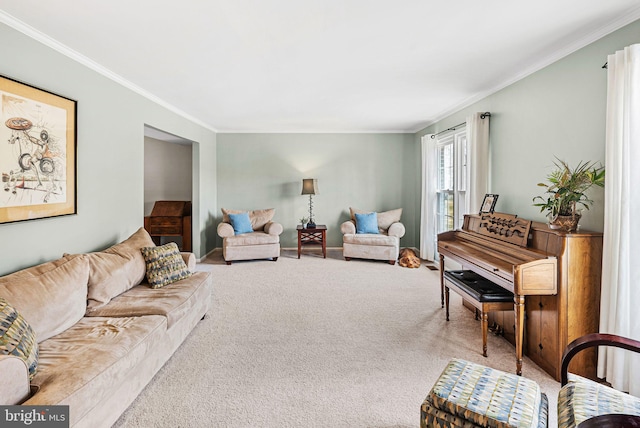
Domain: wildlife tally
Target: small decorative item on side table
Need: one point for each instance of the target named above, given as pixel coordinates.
(312, 236)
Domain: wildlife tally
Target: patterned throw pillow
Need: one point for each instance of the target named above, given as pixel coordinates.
(17, 337)
(164, 265)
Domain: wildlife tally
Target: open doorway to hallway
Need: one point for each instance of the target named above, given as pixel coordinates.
(168, 176)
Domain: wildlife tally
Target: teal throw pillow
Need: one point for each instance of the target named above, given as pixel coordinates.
(367, 223)
(165, 265)
(241, 223)
(17, 338)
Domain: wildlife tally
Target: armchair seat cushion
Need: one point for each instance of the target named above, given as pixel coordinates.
(370, 239)
(254, 238)
(581, 399)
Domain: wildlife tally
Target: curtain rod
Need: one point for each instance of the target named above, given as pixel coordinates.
(453, 128)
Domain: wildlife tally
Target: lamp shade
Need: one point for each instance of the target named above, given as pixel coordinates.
(309, 186)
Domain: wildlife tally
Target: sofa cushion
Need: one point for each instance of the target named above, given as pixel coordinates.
(17, 337)
(83, 365)
(254, 238)
(164, 265)
(581, 399)
(241, 223)
(366, 223)
(258, 217)
(53, 301)
(370, 239)
(117, 269)
(172, 301)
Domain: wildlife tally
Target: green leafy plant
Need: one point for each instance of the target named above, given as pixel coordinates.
(566, 188)
(303, 220)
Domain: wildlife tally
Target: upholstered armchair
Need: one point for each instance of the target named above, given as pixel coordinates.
(589, 404)
(258, 240)
(381, 241)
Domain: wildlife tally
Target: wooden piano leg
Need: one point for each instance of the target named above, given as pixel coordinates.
(446, 299)
(442, 281)
(485, 328)
(519, 309)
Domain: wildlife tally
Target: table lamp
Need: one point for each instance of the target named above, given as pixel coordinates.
(310, 187)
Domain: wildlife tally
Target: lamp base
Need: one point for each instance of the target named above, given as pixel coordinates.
(311, 225)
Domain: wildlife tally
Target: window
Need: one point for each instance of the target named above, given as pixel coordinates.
(451, 182)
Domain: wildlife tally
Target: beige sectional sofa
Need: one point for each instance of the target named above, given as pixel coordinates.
(103, 333)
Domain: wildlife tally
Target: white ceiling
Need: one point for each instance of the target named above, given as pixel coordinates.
(317, 65)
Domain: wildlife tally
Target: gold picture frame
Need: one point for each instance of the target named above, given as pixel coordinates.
(37, 153)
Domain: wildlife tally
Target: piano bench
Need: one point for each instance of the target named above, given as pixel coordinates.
(483, 294)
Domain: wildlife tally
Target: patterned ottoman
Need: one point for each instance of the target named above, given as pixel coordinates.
(472, 395)
(582, 399)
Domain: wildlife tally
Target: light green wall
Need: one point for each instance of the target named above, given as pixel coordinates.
(368, 171)
(110, 150)
(557, 111)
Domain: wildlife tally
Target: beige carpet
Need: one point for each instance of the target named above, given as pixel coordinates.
(317, 343)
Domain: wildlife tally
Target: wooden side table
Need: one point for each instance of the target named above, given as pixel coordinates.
(315, 236)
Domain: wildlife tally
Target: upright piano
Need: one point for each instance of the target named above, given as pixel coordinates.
(554, 275)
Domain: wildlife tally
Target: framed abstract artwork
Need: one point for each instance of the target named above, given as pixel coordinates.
(37, 153)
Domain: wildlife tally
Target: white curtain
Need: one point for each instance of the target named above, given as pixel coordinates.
(620, 268)
(478, 155)
(428, 203)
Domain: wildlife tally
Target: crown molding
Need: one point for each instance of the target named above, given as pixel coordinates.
(37, 35)
(315, 131)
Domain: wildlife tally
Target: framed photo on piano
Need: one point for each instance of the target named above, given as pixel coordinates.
(488, 203)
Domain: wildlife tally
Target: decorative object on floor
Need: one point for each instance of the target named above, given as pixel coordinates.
(488, 203)
(566, 189)
(170, 218)
(38, 164)
(468, 394)
(385, 245)
(310, 187)
(262, 243)
(408, 258)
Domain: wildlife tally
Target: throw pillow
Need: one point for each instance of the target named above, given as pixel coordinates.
(164, 265)
(17, 337)
(367, 223)
(241, 223)
(387, 218)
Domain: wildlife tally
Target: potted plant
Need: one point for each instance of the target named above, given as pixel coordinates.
(303, 222)
(566, 189)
